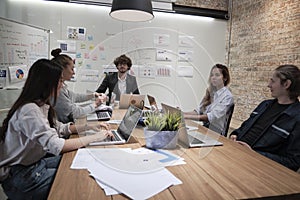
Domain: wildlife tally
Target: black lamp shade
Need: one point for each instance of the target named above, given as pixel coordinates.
(132, 10)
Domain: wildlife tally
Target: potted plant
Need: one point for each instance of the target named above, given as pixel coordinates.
(161, 130)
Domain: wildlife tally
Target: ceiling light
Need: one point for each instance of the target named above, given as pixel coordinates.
(132, 10)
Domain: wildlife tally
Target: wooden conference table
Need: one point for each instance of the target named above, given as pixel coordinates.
(230, 171)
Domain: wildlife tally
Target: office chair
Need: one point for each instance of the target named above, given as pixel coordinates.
(228, 119)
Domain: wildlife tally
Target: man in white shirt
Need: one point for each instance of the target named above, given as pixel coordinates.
(120, 82)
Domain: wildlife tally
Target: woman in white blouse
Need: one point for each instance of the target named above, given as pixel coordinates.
(216, 102)
(30, 136)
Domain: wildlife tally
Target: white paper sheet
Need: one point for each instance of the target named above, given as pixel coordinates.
(185, 71)
(126, 161)
(18, 73)
(108, 190)
(134, 185)
(186, 41)
(161, 39)
(163, 55)
(88, 75)
(167, 158)
(134, 165)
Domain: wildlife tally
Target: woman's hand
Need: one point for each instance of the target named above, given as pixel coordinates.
(98, 102)
(75, 143)
(104, 125)
(188, 116)
(102, 135)
(100, 98)
(99, 126)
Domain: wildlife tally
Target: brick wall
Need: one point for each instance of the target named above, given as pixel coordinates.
(263, 35)
(210, 4)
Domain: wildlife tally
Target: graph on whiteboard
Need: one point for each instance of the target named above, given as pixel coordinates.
(22, 44)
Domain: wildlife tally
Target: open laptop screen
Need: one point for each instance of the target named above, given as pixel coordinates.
(137, 100)
(129, 121)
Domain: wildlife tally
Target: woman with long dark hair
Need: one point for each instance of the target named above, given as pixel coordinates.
(30, 142)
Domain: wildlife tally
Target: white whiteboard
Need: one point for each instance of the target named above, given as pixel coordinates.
(21, 45)
(194, 46)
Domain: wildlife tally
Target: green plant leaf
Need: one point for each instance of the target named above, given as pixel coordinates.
(163, 122)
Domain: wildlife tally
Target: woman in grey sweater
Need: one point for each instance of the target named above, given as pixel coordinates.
(65, 108)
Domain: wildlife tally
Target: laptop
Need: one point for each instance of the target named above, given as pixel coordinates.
(137, 100)
(124, 131)
(99, 115)
(191, 138)
(152, 102)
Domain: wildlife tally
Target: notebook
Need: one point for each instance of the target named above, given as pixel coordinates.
(124, 131)
(137, 100)
(191, 138)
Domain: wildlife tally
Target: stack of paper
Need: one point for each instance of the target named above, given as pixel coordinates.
(138, 173)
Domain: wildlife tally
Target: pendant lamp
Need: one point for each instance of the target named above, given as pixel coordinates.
(132, 10)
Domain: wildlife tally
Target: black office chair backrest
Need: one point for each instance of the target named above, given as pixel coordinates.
(228, 119)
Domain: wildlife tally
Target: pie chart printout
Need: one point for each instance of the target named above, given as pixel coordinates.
(19, 74)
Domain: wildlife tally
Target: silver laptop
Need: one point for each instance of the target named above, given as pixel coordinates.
(137, 100)
(152, 101)
(124, 131)
(191, 138)
(99, 115)
(153, 105)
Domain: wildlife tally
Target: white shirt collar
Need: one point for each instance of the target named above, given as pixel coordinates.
(124, 78)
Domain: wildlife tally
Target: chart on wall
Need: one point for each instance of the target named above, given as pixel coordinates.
(22, 44)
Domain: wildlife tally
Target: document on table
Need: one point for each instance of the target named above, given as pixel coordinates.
(191, 128)
(126, 159)
(108, 190)
(85, 156)
(166, 158)
(134, 185)
(134, 167)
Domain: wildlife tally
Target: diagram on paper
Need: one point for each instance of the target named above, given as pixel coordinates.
(147, 72)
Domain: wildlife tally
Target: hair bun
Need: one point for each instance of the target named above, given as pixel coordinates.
(56, 52)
